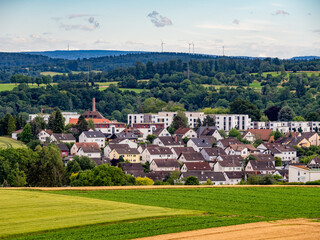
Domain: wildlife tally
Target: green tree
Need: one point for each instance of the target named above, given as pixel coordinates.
(179, 121)
(234, 133)
(208, 121)
(278, 135)
(144, 181)
(151, 137)
(172, 177)
(26, 134)
(278, 161)
(264, 118)
(153, 105)
(298, 119)
(240, 106)
(48, 170)
(191, 180)
(11, 125)
(82, 124)
(313, 116)
(286, 114)
(58, 124)
(223, 133)
(51, 121)
(91, 124)
(17, 178)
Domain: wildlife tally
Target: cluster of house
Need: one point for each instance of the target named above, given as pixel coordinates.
(206, 155)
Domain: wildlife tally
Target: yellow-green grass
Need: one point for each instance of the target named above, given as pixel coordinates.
(255, 84)
(137, 90)
(31, 211)
(6, 142)
(11, 86)
(105, 83)
(51, 74)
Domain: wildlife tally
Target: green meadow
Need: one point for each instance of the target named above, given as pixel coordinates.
(7, 142)
(127, 214)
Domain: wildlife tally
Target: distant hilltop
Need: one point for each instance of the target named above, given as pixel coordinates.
(75, 54)
(81, 54)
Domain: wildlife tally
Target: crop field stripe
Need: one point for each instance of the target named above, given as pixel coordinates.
(33, 211)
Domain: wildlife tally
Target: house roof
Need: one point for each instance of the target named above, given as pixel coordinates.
(192, 156)
(170, 141)
(293, 134)
(264, 157)
(158, 175)
(278, 148)
(262, 134)
(159, 150)
(64, 136)
(308, 135)
(261, 165)
(316, 160)
(206, 130)
(95, 120)
(47, 131)
(18, 131)
(63, 147)
(203, 142)
(113, 145)
(215, 151)
(126, 150)
(157, 131)
(229, 141)
(132, 167)
(234, 175)
(197, 166)
(125, 135)
(132, 130)
(93, 134)
(182, 131)
(238, 147)
(167, 163)
(230, 163)
(231, 158)
(92, 114)
(92, 147)
(179, 150)
(204, 175)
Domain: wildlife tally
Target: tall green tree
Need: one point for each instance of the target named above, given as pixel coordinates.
(240, 106)
(26, 134)
(11, 125)
(82, 124)
(58, 125)
(179, 121)
(286, 114)
(91, 124)
(208, 121)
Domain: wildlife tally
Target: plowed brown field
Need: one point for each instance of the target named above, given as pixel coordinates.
(293, 229)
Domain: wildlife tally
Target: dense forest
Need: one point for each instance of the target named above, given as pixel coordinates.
(167, 81)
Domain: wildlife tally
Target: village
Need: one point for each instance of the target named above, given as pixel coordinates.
(145, 148)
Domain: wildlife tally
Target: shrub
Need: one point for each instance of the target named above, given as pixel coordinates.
(191, 180)
(144, 181)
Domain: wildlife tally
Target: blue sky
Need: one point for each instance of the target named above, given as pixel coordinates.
(246, 28)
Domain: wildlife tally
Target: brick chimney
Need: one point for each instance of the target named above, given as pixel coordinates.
(93, 104)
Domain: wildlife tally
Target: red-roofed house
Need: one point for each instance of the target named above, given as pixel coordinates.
(254, 134)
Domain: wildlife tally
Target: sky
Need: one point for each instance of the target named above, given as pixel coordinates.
(258, 28)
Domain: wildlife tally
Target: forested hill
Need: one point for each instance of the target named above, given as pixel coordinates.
(75, 54)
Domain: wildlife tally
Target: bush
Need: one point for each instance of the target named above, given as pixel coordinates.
(17, 178)
(144, 181)
(191, 180)
(317, 182)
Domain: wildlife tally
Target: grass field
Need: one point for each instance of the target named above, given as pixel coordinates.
(51, 74)
(222, 207)
(10, 86)
(137, 90)
(6, 142)
(31, 211)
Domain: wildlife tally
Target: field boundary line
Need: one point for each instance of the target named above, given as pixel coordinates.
(95, 188)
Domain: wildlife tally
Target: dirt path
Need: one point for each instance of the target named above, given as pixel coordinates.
(293, 229)
(152, 187)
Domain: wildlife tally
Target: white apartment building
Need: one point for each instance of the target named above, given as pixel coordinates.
(286, 127)
(67, 116)
(229, 121)
(299, 173)
(164, 117)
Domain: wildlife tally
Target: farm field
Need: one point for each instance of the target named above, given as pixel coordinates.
(31, 211)
(255, 85)
(7, 142)
(221, 207)
(10, 86)
(137, 90)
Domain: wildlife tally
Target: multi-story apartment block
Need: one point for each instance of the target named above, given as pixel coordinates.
(229, 121)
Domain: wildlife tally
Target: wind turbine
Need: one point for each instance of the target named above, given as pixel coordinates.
(162, 43)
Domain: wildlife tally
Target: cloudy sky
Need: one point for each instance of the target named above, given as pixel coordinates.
(245, 28)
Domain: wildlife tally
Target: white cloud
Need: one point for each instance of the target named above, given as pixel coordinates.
(281, 12)
(158, 20)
